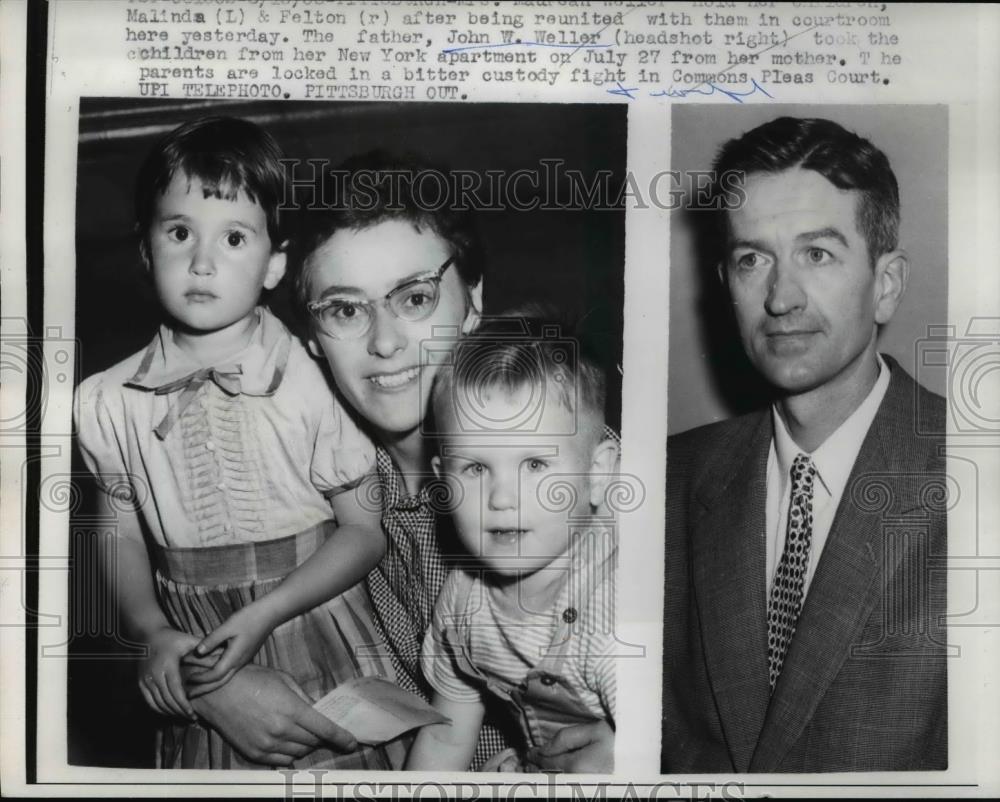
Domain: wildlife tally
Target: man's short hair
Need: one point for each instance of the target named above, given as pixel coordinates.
(227, 155)
(377, 187)
(845, 159)
(531, 346)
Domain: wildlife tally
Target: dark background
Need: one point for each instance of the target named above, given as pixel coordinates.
(571, 258)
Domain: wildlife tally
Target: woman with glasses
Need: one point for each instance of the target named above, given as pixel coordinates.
(390, 283)
(392, 278)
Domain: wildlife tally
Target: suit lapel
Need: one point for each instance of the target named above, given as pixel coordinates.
(728, 565)
(843, 592)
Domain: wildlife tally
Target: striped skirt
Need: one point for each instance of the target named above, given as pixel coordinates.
(199, 588)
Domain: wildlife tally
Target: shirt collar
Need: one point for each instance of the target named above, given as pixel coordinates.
(835, 458)
(260, 365)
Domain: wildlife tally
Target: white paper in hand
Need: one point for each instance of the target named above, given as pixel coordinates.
(375, 710)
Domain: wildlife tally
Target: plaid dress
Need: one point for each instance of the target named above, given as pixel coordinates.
(199, 588)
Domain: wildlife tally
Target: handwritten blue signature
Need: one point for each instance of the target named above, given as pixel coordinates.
(701, 89)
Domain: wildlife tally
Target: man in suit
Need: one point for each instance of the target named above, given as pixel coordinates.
(803, 624)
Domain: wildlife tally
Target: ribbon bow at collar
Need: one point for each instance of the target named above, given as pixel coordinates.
(226, 379)
(258, 372)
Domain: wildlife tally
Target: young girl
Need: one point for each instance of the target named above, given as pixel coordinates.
(237, 481)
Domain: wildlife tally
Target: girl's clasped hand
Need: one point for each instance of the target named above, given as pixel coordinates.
(160, 678)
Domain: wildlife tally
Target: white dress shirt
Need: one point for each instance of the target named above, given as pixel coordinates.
(833, 460)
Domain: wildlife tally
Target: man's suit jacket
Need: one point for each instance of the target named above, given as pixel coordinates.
(864, 682)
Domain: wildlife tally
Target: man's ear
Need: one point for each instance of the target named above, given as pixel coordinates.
(603, 468)
(276, 266)
(436, 465)
(892, 272)
(475, 311)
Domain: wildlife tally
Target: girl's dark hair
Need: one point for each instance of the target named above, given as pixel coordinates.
(227, 155)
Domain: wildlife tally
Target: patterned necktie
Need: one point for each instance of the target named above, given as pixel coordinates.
(788, 590)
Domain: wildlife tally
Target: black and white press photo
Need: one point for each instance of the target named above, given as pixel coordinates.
(346, 417)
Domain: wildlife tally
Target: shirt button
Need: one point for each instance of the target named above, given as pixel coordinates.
(221, 485)
(210, 445)
(569, 615)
